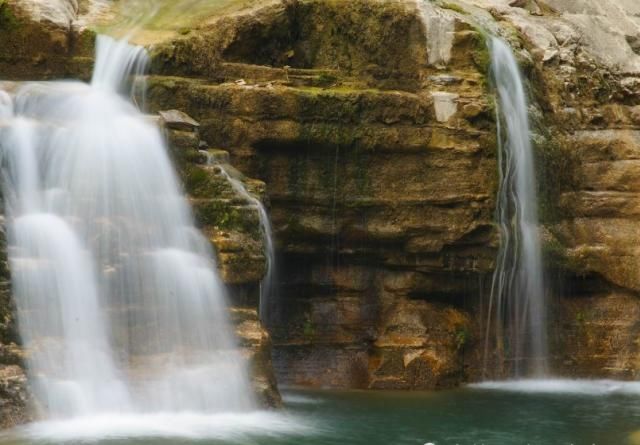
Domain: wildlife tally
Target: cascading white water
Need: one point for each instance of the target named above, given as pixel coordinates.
(119, 302)
(517, 290)
(267, 286)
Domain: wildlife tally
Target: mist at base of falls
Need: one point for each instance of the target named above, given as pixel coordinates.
(119, 303)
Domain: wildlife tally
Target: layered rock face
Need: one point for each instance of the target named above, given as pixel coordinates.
(377, 146)
(372, 125)
(45, 40)
(14, 394)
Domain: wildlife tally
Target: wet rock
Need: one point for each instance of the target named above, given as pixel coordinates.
(445, 105)
(256, 345)
(231, 224)
(14, 397)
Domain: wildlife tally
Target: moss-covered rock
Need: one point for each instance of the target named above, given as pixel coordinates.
(33, 50)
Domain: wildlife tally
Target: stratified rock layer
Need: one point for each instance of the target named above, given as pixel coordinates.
(37, 44)
(381, 176)
(373, 126)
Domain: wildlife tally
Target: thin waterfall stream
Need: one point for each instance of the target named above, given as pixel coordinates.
(267, 286)
(517, 308)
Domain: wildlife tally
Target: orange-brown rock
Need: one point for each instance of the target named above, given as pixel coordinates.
(380, 171)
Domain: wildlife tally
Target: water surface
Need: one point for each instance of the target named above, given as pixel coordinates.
(546, 413)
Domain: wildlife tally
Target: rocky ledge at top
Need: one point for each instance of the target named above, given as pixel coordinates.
(372, 125)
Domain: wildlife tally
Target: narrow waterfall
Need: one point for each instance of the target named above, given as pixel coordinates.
(267, 291)
(517, 306)
(119, 303)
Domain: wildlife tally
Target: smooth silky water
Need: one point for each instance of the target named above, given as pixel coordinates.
(120, 308)
(517, 307)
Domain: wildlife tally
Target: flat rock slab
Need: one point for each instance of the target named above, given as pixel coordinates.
(177, 120)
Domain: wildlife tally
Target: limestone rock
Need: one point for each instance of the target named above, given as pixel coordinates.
(14, 397)
(63, 13)
(34, 47)
(445, 105)
(256, 345)
(369, 176)
(177, 120)
(382, 193)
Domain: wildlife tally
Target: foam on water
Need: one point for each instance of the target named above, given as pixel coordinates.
(297, 399)
(562, 386)
(232, 427)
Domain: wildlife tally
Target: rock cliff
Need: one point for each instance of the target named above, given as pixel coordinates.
(371, 125)
(379, 159)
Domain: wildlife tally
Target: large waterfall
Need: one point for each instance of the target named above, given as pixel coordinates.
(517, 303)
(119, 303)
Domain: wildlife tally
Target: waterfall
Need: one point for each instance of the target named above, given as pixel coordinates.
(119, 303)
(267, 286)
(517, 291)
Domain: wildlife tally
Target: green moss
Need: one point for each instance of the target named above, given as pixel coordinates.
(85, 43)
(201, 182)
(461, 338)
(198, 183)
(225, 216)
(331, 135)
(554, 254)
(341, 89)
(480, 54)
(308, 329)
(556, 168)
(326, 80)
(8, 20)
(453, 7)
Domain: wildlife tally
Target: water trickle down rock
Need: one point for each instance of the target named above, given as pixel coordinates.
(228, 219)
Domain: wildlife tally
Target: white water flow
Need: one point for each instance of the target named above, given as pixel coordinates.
(517, 307)
(119, 303)
(267, 286)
